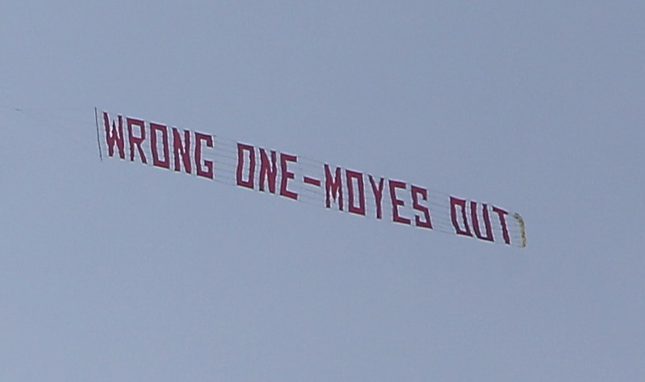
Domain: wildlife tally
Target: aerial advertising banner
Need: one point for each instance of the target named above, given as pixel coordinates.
(305, 180)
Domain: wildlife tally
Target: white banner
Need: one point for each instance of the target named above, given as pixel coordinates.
(304, 180)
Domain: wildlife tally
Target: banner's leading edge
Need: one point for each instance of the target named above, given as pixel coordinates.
(305, 180)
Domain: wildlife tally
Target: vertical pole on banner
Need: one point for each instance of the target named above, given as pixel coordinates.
(98, 139)
(520, 221)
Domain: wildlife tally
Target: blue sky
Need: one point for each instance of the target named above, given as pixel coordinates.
(112, 271)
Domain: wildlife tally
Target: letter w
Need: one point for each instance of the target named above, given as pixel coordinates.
(114, 135)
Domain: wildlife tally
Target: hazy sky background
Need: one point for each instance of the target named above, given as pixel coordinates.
(111, 271)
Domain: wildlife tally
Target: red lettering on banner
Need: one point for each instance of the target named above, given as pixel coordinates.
(468, 218)
(454, 203)
(114, 135)
(425, 222)
(333, 187)
(378, 196)
(285, 159)
(475, 221)
(241, 149)
(502, 221)
(181, 150)
(396, 202)
(154, 128)
(136, 141)
(199, 139)
(268, 170)
(358, 177)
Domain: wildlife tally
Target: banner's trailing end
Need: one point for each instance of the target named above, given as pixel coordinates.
(522, 225)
